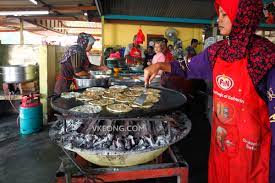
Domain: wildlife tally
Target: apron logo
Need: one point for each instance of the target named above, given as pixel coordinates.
(224, 82)
(225, 112)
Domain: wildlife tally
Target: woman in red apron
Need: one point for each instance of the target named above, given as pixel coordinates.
(133, 53)
(242, 69)
(75, 63)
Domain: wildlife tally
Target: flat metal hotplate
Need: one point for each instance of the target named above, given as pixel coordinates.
(169, 100)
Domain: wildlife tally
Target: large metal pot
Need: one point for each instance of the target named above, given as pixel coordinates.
(18, 73)
(31, 72)
(97, 80)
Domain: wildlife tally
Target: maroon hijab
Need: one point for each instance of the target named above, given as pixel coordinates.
(244, 42)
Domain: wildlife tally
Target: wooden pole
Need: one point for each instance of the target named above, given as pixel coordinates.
(102, 40)
(21, 31)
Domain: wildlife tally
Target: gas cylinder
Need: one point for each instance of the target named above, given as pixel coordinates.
(30, 113)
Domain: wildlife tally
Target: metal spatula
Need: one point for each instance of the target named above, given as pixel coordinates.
(141, 99)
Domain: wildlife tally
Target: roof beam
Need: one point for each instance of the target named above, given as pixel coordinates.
(46, 24)
(159, 19)
(55, 8)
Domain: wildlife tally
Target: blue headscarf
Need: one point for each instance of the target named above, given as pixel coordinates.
(79, 48)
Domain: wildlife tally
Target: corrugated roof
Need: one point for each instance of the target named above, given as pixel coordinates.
(197, 9)
(95, 25)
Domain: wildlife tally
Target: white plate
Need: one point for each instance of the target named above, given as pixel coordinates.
(118, 87)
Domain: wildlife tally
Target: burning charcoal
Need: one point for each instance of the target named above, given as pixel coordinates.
(140, 146)
(110, 140)
(101, 142)
(119, 144)
(95, 139)
(88, 138)
(110, 137)
(150, 141)
(158, 128)
(127, 144)
(131, 138)
(89, 145)
(162, 140)
(104, 127)
(113, 146)
(124, 132)
(146, 129)
(91, 127)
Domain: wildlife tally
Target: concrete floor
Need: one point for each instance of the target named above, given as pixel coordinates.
(26, 159)
(35, 159)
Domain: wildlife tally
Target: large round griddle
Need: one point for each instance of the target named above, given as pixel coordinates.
(169, 100)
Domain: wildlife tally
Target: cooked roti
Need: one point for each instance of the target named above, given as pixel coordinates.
(132, 93)
(155, 94)
(124, 99)
(96, 90)
(102, 102)
(137, 88)
(112, 95)
(146, 105)
(92, 93)
(70, 94)
(114, 90)
(118, 108)
(88, 98)
(152, 91)
(151, 99)
(83, 98)
(87, 109)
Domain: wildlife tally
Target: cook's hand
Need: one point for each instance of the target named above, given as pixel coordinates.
(82, 73)
(150, 73)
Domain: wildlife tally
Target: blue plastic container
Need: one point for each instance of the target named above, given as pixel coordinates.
(31, 119)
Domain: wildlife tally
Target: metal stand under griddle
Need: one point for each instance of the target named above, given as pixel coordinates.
(75, 169)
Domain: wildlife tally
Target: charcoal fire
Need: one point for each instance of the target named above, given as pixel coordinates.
(119, 134)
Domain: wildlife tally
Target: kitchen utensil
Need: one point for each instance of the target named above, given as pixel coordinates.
(141, 99)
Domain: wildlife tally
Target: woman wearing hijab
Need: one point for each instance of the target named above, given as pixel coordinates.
(75, 63)
(243, 74)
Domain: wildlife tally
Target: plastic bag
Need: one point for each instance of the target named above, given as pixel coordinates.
(140, 37)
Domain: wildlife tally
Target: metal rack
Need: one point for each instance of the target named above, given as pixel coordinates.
(74, 169)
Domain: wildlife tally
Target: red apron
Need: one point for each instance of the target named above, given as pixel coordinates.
(241, 137)
(136, 53)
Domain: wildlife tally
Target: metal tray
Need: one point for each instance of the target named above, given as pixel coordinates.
(170, 100)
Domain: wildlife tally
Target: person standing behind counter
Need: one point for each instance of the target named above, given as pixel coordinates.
(75, 63)
(159, 56)
(190, 50)
(242, 69)
(134, 53)
(168, 55)
(148, 56)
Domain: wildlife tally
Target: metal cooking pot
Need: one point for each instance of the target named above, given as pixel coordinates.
(18, 73)
(97, 80)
